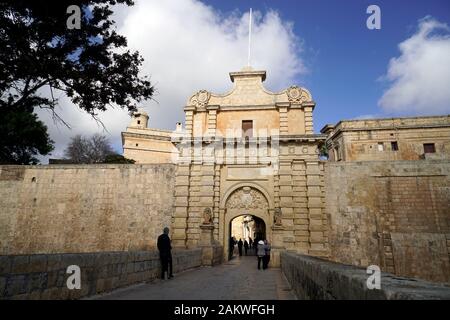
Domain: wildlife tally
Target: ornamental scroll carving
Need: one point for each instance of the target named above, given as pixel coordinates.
(201, 99)
(297, 95)
(247, 198)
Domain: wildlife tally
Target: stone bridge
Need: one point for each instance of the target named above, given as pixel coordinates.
(134, 275)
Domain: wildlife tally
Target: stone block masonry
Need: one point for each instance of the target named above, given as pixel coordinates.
(44, 276)
(84, 208)
(316, 279)
(394, 214)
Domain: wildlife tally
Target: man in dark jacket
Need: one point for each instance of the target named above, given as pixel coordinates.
(165, 253)
(245, 246)
(240, 244)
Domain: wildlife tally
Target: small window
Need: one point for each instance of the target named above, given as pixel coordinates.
(394, 146)
(139, 121)
(429, 148)
(380, 146)
(247, 128)
(137, 144)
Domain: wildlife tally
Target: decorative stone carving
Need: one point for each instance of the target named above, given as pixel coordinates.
(277, 217)
(298, 95)
(201, 99)
(294, 94)
(207, 216)
(247, 198)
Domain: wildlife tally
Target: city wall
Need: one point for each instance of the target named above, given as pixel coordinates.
(84, 208)
(394, 214)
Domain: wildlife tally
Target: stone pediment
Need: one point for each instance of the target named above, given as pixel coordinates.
(249, 91)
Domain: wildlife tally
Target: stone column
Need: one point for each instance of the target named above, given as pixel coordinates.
(189, 111)
(301, 219)
(179, 221)
(212, 251)
(216, 211)
(212, 120)
(283, 111)
(286, 203)
(314, 183)
(309, 119)
(277, 240)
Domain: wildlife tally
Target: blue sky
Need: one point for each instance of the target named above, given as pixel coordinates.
(345, 60)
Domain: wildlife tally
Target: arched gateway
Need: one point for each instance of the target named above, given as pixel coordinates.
(244, 199)
(248, 152)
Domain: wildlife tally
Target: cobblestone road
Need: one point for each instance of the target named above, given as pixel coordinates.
(235, 279)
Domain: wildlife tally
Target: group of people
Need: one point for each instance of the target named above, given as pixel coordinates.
(262, 250)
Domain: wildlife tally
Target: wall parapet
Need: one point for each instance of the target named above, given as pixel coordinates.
(318, 279)
(43, 276)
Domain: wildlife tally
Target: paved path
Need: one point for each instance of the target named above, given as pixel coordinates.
(235, 279)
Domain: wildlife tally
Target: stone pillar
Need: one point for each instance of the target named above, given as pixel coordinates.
(212, 251)
(206, 243)
(286, 203)
(277, 240)
(301, 219)
(216, 211)
(224, 240)
(212, 120)
(317, 227)
(179, 221)
(195, 208)
(189, 112)
(283, 111)
(309, 129)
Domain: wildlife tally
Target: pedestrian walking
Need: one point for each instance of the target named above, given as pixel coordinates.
(165, 254)
(231, 248)
(260, 252)
(266, 258)
(240, 244)
(245, 246)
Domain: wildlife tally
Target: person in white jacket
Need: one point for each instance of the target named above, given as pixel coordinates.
(260, 252)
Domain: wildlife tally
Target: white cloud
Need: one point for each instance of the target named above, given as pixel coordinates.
(188, 46)
(420, 76)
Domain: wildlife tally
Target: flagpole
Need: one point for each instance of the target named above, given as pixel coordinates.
(249, 37)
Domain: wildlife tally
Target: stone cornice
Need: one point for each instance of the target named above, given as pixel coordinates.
(145, 136)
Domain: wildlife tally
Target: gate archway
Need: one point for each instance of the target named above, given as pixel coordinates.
(244, 199)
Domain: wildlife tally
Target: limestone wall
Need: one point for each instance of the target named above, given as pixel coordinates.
(44, 276)
(83, 208)
(395, 214)
(316, 279)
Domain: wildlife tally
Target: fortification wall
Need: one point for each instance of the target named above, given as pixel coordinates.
(395, 214)
(84, 208)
